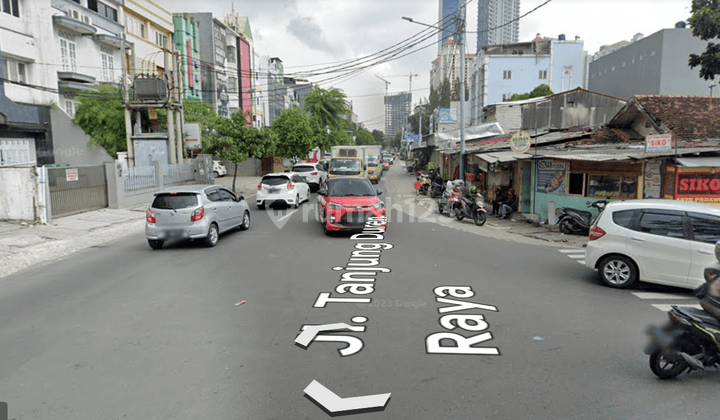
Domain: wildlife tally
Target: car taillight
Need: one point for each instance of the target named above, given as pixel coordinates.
(260, 186)
(314, 173)
(290, 186)
(197, 214)
(596, 233)
(150, 216)
(673, 318)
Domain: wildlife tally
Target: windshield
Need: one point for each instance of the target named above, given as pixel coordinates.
(372, 161)
(303, 168)
(275, 180)
(345, 167)
(359, 187)
(175, 201)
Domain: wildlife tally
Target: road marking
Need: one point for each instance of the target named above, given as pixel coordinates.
(667, 307)
(581, 262)
(308, 334)
(287, 215)
(645, 295)
(334, 404)
(576, 255)
(568, 251)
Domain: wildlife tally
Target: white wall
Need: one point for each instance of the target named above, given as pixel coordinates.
(18, 200)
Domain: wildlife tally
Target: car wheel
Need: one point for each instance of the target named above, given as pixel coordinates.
(618, 271)
(297, 200)
(261, 206)
(245, 225)
(155, 244)
(212, 237)
(216, 174)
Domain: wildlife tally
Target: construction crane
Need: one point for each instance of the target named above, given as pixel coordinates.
(406, 75)
(386, 83)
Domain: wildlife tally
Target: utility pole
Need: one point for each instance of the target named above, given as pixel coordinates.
(179, 123)
(461, 42)
(128, 111)
(170, 113)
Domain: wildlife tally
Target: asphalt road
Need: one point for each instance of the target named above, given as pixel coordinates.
(125, 332)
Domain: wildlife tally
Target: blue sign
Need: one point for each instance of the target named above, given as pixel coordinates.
(445, 115)
(412, 137)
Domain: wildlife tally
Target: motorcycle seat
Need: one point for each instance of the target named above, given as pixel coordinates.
(583, 213)
(702, 316)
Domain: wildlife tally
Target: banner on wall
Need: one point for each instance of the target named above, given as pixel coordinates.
(652, 187)
(551, 177)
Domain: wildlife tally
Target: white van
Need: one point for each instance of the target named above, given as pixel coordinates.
(219, 169)
(666, 242)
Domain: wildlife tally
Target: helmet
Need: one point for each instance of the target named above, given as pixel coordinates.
(472, 189)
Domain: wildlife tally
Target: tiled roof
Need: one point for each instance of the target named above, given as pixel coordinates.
(687, 117)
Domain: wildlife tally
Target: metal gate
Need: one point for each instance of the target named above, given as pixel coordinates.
(77, 189)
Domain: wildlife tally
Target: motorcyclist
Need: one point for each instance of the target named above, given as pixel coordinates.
(710, 302)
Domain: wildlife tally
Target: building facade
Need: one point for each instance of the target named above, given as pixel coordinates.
(654, 65)
(499, 71)
(492, 23)
(188, 47)
(397, 110)
(150, 28)
(447, 65)
(447, 15)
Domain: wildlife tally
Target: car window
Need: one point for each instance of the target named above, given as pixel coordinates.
(624, 218)
(705, 228)
(275, 180)
(213, 195)
(350, 188)
(303, 168)
(345, 167)
(226, 195)
(298, 178)
(175, 201)
(662, 224)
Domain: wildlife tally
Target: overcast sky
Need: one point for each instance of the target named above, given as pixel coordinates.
(312, 32)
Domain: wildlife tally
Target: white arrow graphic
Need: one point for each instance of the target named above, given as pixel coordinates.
(334, 404)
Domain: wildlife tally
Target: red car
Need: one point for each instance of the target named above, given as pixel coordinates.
(386, 166)
(346, 204)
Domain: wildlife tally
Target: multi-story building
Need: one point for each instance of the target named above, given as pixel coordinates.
(246, 65)
(277, 91)
(150, 28)
(447, 19)
(447, 65)
(397, 110)
(498, 22)
(499, 71)
(654, 65)
(187, 45)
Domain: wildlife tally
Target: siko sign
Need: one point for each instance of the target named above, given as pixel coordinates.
(696, 184)
(658, 143)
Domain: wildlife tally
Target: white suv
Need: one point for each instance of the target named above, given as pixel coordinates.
(313, 172)
(658, 241)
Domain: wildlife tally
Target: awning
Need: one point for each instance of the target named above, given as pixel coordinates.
(502, 157)
(699, 162)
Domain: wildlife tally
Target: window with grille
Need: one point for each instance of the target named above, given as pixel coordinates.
(108, 67)
(68, 54)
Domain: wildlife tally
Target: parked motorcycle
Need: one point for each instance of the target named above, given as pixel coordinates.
(572, 220)
(447, 193)
(474, 206)
(422, 184)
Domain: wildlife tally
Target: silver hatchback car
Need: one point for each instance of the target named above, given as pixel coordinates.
(194, 212)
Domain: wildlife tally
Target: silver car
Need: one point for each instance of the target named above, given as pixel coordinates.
(194, 212)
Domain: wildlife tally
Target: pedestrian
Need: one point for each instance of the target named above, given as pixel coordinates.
(508, 206)
(500, 197)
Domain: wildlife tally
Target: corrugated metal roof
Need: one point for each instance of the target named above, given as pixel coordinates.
(502, 157)
(699, 162)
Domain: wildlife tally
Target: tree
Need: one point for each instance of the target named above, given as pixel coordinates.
(441, 97)
(379, 136)
(327, 109)
(364, 138)
(423, 110)
(705, 24)
(540, 91)
(200, 112)
(236, 142)
(294, 133)
(101, 115)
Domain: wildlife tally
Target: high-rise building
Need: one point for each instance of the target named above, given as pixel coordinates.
(397, 109)
(447, 14)
(493, 26)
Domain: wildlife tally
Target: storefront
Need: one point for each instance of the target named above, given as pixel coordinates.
(694, 179)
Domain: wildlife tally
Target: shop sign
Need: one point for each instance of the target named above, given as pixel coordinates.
(551, 177)
(658, 143)
(520, 142)
(699, 185)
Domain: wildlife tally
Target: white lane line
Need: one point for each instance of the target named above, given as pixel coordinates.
(568, 251)
(581, 262)
(645, 295)
(666, 308)
(576, 255)
(287, 215)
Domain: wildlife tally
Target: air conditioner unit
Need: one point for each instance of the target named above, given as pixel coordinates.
(87, 19)
(74, 14)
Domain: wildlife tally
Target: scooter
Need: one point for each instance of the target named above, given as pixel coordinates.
(446, 194)
(572, 220)
(461, 207)
(690, 340)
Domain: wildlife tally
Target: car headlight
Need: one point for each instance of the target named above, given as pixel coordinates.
(334, 206)
(379, 205)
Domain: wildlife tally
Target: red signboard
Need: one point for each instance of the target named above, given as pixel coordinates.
(698, 184)
(188, 44)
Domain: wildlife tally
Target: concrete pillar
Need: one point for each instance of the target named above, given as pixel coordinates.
(552, 219)
(159, 175)
(171, 136)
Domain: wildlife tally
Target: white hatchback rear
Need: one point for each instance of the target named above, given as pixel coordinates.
(657, 241)
(290, 189)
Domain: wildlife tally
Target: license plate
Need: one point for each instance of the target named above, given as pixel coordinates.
(273, 190)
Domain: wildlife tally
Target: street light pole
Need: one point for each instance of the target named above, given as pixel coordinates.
(461, 44)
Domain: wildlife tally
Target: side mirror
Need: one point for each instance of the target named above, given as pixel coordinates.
(322, 192)
(379, 192)
(364, 167)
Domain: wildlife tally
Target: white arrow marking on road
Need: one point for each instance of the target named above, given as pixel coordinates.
(334, 404)
(309, 333)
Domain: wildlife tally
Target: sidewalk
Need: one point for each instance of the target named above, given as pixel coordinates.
(24, 245)
(517, 224)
